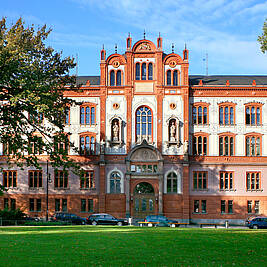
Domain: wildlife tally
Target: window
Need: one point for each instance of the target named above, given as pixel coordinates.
(36, 118)
(202, 204)
(137, 71)
(200, 144)
(87, 114)
(253, 113)
(144, 167)
(61, 144)
(253, 144)
(87, 180)
(87, 205)
(200, 113)
(36, 145)
(10, 178)
(227, 114)
(144, 124)
(223, 207)
(172, 77)
(249, 206)
(87, 144)
(143, 71)
(67, 116)
(112, 78)
(226, 144)
(253, 181)
(9, 148)
(35, 179)
(35, 204)
(230, 206)
(257, 207)
(172, 183)
(200, 180)
(61, 179)
(61, 204)
(9, 203)
(115, 183)
(226, 206)
(118, 78)
(146, 71)
(226, 180)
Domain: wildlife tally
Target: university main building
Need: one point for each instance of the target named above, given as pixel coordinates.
(154, 140)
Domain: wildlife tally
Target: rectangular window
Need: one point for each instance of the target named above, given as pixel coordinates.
(31, 204)
(257, 207)
(200, 114)
(230, 206)
(64, 204)
(10, 178)
(35, 179)
(87, 115)
(83, 205)
(196, 206)
(200, 145)
(57, 204)
(253, 115)
(6, 206)
(253, 181)
(203, 206)
(223, 210)
(249, 206)
(200, 180)
(61, 179)
(90, 205)
(87, 180)
(226, 180)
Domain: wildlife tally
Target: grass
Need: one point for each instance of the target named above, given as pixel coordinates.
(131, 246)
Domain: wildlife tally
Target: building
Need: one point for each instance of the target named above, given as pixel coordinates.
(154, 140)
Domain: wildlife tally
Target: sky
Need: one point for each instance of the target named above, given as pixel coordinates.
(225, 30)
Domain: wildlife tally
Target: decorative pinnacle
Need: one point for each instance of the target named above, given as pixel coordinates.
(116, 48)
(184, 46)
(103, 47)
(172, 48)
(129, 34)
(159, 34)
(144, 34)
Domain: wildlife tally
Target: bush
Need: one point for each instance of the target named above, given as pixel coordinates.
(16, 214)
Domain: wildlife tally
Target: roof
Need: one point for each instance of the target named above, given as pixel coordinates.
(94, 80)
(233, 79)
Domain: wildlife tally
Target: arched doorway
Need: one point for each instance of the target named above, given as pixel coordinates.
(144, 200)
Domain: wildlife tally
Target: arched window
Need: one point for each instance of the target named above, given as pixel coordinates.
(175, 78)
(172, 183)
(169, 77)
(143, 124)
(137, 71)
(144, 71)
(226, 145)
(200, 144)
(253, 145)
(253, 114)
(87, 144)
(200, 113)
(226, 113)
(118, 78)
(150, 71)
(115, 183)
(112, 78)
(87, 114)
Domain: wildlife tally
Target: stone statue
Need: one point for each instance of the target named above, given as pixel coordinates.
(172, 132)
(115, 130)
(185, 147)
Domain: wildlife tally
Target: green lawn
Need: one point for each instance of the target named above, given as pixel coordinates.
(131, 246)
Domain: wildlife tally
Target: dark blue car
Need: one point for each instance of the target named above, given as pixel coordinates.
(159, 220)
(256, 223)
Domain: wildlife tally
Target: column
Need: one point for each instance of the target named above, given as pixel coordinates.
(160, 195)
(127, 194)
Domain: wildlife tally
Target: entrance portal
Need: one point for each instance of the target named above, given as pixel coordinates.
(144, 200)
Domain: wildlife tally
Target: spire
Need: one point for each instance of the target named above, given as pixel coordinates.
(129, 34)
(103, 47)
(159, 34)
(116, 48)
(144, 34)
(172, 47)
(184, 46)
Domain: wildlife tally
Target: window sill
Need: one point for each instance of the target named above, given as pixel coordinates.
(225, 213)
(254, 190)
(203, 190)
(61, 188)
(91, 211)
(199, 213)
(36, 188)
(87, 189)
(227, 190)
(35, 211)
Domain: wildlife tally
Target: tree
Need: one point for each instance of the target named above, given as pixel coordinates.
(263, 38)
(33, 77)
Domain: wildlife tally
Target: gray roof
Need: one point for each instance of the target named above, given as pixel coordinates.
(94, 80)
(233, 79)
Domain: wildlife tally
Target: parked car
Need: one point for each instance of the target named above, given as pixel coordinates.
(159, 220)
(258, 222)
(68, 217)
(105, 219)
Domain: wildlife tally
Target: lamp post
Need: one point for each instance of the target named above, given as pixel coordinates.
(48, 180)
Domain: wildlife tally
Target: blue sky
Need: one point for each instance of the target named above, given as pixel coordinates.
(226, 30)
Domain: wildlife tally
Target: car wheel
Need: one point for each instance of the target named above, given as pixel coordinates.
(119, 223)
(83, 223)
(94, 223)
(255, 226)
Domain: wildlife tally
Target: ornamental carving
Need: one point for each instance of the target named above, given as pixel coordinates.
(144, 47)
(172, 64)
(116, 106)
(144, 155)
(172, 106)
(116, 64)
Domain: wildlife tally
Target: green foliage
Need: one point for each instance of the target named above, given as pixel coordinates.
(263, 38)
(16, 214)
(32, 79)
